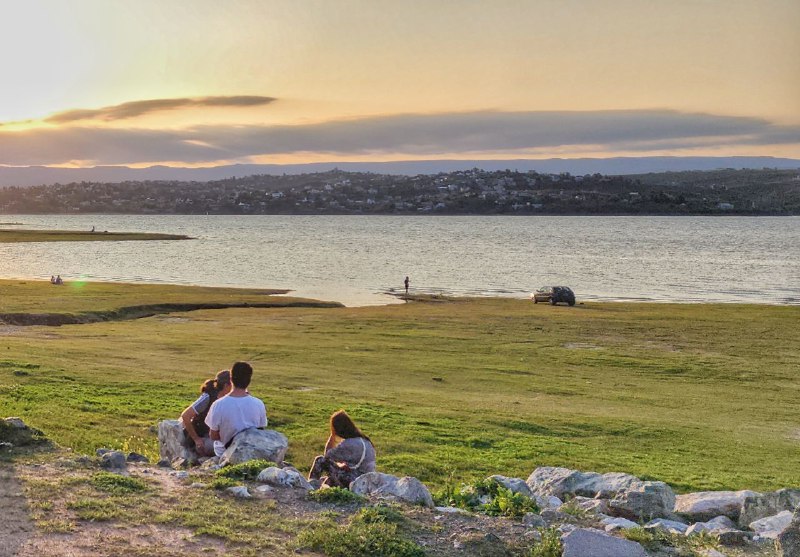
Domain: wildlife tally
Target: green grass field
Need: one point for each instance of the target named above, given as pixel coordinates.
(12, 236)
(700, 396)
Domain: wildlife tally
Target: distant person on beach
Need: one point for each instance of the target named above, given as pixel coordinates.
(348, 454)
(194, 417)
(406, 283)
(236, 412)
(58, 280)
(52, 279)
(92, 228)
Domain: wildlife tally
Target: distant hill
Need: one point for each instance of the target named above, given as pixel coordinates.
(36, 175)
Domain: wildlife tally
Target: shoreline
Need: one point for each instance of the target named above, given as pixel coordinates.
(392, 298)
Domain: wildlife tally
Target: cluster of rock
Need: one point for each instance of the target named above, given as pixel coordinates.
(16, 433)
(622, 501)
(616, 501)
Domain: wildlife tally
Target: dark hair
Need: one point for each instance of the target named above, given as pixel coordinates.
(212, 387)
(342, 426)
(241, 373)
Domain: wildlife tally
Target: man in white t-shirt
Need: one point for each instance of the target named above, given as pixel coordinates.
(237, 411)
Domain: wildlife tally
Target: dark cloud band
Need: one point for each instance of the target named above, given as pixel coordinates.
(638, 130)
(140, 108)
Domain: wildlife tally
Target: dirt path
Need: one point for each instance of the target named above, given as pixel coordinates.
(17, 526)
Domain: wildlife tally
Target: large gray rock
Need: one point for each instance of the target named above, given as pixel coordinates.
(386, 486)
(644, 501)
(285, 477)
(114, 461)
(172, 444)
(713, 526)
(789, 539)
(613, 524)
(772, 526)
(669, 526)
(584, 542)
(705, 505)
(253, 444)
(763, 505)
(549, 480)
(515, 485)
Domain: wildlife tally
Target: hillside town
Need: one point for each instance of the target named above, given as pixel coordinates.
(749, 192)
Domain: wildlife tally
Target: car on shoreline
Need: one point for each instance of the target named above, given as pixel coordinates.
(554, 295)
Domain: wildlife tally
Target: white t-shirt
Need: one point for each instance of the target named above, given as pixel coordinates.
(231, 414)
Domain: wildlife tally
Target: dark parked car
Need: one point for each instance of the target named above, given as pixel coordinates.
(554, 295)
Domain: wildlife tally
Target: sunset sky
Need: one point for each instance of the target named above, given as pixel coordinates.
(189, 83)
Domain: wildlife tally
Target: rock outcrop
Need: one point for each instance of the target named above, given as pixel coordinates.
(584, 542)
(643, 501)
(386, 486)
(561, 482)
(252, 444)
(772, 526)
(762, 505)
(789, 539)
(171, 443)
(705, 505)
(283, 477)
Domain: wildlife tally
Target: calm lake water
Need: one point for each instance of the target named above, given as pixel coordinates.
(358, 259)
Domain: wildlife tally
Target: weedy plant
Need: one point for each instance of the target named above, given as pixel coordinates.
(116, 484)
(486, 496)
(550, 544)
(335, 495)
(246, 471)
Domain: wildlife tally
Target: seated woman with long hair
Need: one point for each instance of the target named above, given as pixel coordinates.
(194, 417)
(348, 454)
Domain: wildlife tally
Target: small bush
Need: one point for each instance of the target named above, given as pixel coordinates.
(379, 514)
(336, 495)
(487, 496)
(116, 484)
(377, 540)
(571, 508)
(550, 546)
(246, 471)
(223, 483)
(95, 510)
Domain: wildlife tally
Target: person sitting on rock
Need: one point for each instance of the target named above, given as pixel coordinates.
(194, 417)
(236, 412)
(348, 454)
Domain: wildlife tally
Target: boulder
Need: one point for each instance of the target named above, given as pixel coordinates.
(547, 501)
(733, 537)
(252, 444)
(558, 482)
(590, 505)
(614, 524)
(515, 485)
(386, 486)
(763, 505)
(644, 501)
(136, 457)
(172, 442)
(286, 477)
(533, 520)
(584, 542)
(772, 526)
(114, 461)
(716, 524)
(239, 491)
(789, 540)
(704, 505)
(669, 526)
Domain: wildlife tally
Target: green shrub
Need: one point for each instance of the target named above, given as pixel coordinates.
(550, 546)
(336, 495)
(501, 501)
(116, 484)
(246, 471)
(571, 508)
(379, 539)
(223, 483)
(378, 514)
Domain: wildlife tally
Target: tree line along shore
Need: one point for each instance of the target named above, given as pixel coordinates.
(718, 192)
